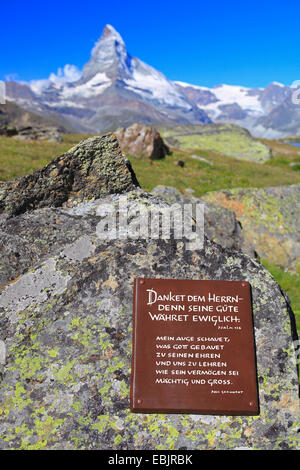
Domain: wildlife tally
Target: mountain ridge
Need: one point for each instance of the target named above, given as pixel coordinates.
(116, 89)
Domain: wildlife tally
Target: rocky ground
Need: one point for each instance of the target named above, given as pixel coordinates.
(66, 317)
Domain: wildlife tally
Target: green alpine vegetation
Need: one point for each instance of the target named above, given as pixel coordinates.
(19, 158)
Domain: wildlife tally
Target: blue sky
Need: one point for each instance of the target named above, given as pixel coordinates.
(250, 43)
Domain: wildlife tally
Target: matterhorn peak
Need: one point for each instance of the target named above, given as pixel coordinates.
(109, 56)
(109, 32)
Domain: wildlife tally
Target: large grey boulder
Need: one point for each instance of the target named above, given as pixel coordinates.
(220, 224)
(66, 324)
(270, 218)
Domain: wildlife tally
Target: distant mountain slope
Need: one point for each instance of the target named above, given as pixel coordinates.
(115, 89)
(262, 111)
(13, 115)
(283, 119)
(21, 94)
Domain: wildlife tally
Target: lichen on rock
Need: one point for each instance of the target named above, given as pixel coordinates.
(91, 169)
(270, 218)
(67, 335)
(220, 223)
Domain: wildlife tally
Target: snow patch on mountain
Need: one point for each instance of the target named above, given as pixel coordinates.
(278, 84)
(151, 84)
(188, 85)
(244, 97)
(229, 94)
(95, 86)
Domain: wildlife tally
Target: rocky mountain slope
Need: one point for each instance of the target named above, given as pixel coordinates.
(115, 89)
(18, 122)
(255, 109)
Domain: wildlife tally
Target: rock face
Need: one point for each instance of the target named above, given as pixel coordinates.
(270, 218)
(66, 321)
(92, 168)
(220, 224)
(226, 139)
(142, 142)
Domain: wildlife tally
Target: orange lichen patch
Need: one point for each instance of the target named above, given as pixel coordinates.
(287, 403)
(96, 258)
(11, 281)
(222, 200)
(268, 246)
(109, 353)
(111, 282)
(54, 173)
(195, 258)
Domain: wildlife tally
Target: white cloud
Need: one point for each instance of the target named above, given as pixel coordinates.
(11, 77)
(38, 86)
(67, 74)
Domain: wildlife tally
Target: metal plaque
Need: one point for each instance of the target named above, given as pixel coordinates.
(193, 348)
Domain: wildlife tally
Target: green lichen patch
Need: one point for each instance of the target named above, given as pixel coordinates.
(269, 219)
(66, 380)
(225, 139)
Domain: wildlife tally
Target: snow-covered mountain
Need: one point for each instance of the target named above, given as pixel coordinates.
(247, 107)
(115, 89)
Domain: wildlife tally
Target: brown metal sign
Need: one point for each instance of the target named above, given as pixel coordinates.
(193, 348)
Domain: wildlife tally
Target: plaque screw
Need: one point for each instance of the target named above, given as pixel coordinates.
(139, 401)
(142, 281)
(251, 403)
(244, 284)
